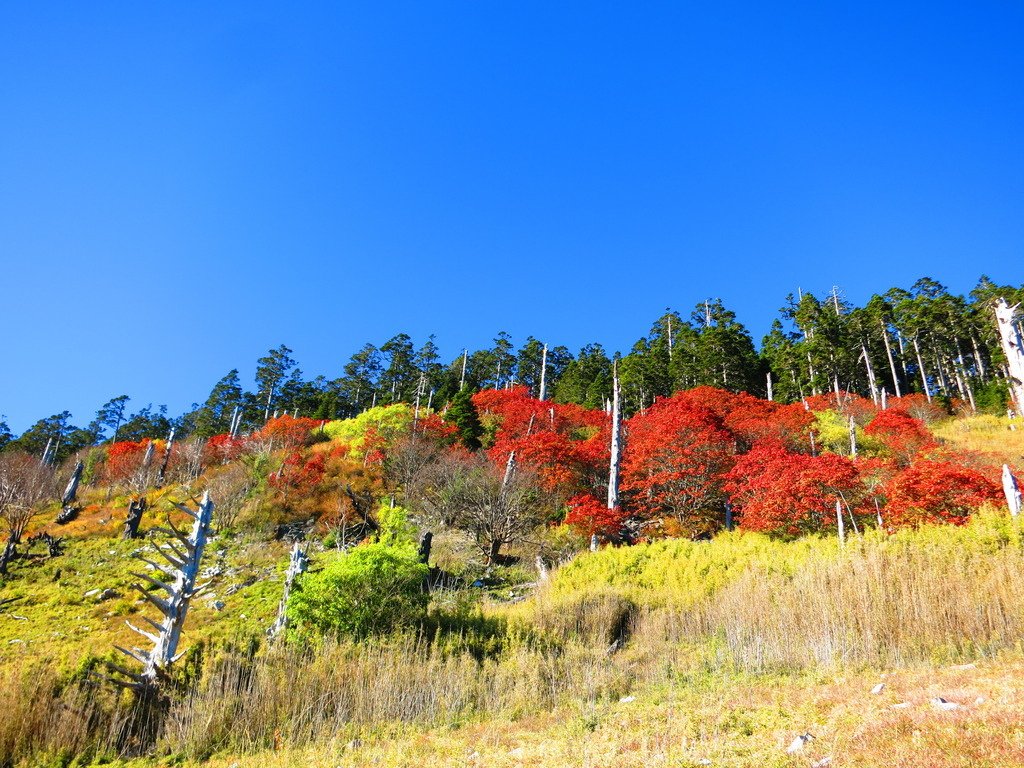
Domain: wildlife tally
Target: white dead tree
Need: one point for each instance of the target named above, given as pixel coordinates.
(161, 475)
(543, 395)
(296, 565)
(616, 442)
(839, 523)
(1012, 491)
(183, 554)
(1013, 349)
(67, 509)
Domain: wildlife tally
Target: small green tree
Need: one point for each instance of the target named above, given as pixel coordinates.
(373, 589)
(462, 413)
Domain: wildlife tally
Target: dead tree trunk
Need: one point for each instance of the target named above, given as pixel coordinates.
(180, 585)
(68, 511)
(131, 525)
(892, 363)
(543, 395)
(426, 541)
(839, 522)
(1013, 348)
(10, 550)
(920, 368)
(1012, 491)
(161, 476)
(872, 384)
(296, 565)
(616, 443)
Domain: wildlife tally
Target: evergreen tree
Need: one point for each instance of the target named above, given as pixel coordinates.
(271, 372)
(110, 417)
(146, 424)
(214, 417)
(360, 381)
(587, 380)
(5, 432)
(463, 414)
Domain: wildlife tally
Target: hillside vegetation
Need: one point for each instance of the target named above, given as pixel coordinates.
(678, 641)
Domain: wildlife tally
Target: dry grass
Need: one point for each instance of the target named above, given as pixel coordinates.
(729, 720)
(732, 647)
(991, 437)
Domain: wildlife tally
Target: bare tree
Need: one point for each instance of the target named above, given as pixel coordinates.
(24, 483)
(230, 487)
(496, 505)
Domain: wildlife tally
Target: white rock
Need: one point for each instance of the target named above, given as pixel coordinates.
(980, 700)
(627, 699)
(878, 688)
(945, 704)
(825, 762)
(799, 743)
(901, 705)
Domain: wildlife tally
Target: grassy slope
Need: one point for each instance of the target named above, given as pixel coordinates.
(690, 712)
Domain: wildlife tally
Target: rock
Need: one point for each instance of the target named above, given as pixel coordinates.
(354, 744)
(878, 689)
(627, 699)
(901, 705)
(825, 762)
(92, 592)
(964, 666)
(980, 700)
(703, 761)
(944, 704)
(217, 605)
(517, 752)
(799, 743)
(109, 594)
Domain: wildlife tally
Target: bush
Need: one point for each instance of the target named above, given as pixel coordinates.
(373, 589)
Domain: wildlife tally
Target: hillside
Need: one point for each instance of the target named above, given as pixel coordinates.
(678, 641)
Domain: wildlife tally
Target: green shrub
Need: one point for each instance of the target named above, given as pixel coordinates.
(373, 589)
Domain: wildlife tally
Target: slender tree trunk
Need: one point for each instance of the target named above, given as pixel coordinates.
(979, 362)
(543, 374)
(616, 443)
(920, 367)
(892, 363)
(871, 373)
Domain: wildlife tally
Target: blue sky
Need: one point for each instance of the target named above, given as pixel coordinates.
(183, 187)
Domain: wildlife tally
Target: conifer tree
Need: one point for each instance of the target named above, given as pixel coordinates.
(463, 414)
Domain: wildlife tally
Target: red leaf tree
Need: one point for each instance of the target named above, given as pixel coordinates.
(777, 491)
(931, 491)
(677, 454)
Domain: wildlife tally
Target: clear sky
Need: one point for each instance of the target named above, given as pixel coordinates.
(184, 185)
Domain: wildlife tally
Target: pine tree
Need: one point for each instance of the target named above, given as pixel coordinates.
(463, 414)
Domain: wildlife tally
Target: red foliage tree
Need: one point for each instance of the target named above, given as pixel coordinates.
(220, 449)
(903, 436)
(298, 473)
(676, 456)
(565, 444)
(936, 491)
(750, 418)
(590, 516)
(777, 491)
(124, 459)
(287, 431)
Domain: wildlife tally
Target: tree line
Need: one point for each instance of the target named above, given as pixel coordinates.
(924, 340)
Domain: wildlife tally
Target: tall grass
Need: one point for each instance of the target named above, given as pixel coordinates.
(760, 604)
(606, 623)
